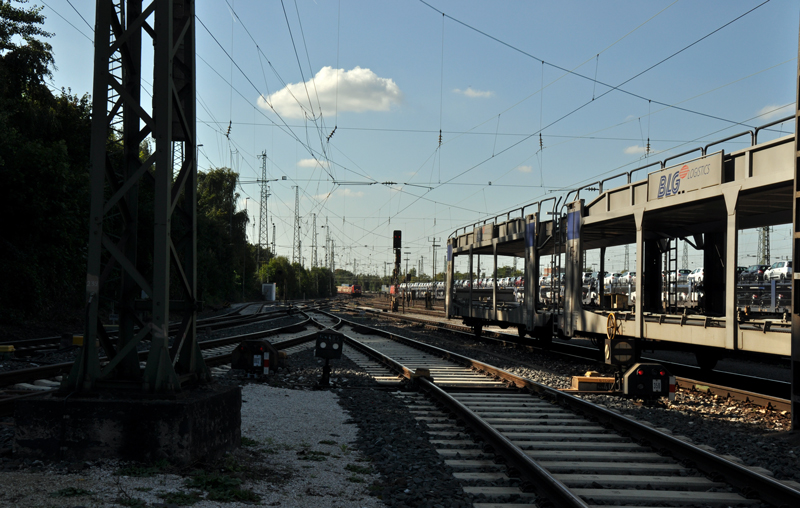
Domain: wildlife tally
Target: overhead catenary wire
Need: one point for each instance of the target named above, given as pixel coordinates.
(68, 21)
(496, 134)
(612, 87)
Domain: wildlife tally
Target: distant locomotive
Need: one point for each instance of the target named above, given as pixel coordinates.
(349, 289)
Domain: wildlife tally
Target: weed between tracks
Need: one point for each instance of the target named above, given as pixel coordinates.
(220, 481)
(71, 492)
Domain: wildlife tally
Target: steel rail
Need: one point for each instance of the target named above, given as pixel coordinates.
(535, 475)
(50, 340)
(6, 378)
(767, 489)
(33, 345)
(46, 371)
(721, 383)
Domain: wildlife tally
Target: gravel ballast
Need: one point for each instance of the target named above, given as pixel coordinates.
(357, 445)
(752, 434)
(299, 450)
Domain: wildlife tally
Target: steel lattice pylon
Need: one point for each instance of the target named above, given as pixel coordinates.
(117, 172)
(296, 245)
(685, 255)
(263, 224)
(314, 240)
(762, 251)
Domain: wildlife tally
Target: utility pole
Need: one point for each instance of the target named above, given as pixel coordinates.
(762, 253)
(170, 118)
(327, 243)
(273, 239)
(244, 259)
(434, 245)
(397, 244)
(314, 240)
(685, 257)
(296, 241)
(628, 258)
(263, 220)
(795, 341)
(407, 254)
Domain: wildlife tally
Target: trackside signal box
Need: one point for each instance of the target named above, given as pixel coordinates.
(397, 239)
(329, 345)
(648, 380)
(255, 357)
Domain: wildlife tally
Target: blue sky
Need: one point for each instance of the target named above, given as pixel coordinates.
(390, 75)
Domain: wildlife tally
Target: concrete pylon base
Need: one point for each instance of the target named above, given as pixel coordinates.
(200, 424)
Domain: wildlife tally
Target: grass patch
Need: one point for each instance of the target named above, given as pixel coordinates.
(222, 488)
(313, 455)
(355, 479)
(353, 468)
(231, 495)
(246, 441)
(233, 466)
(71, 492)
(180, 498)
(132, 502)
(143, 471)
(328, 442)
(272, 447)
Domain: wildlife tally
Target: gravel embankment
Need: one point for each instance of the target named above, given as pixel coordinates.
(756, 436)
(355, 445)
(300, 449)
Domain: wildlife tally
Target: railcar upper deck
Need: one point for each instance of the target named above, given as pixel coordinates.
(704, 201)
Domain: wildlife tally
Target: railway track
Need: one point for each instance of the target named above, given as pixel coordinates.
(766, 392)
(216, 352)
(237, 317)
(517, 442)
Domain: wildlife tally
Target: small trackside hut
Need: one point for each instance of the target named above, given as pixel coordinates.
(703, 202)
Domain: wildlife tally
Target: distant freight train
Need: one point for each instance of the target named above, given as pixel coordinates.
(348, 289)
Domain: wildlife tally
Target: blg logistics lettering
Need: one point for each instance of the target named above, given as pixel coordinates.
(690, 176)
(670, 184)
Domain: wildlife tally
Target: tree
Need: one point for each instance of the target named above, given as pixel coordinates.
(281, 272)
(44, 183)
(222, 251)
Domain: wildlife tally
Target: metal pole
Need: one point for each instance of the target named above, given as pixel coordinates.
(244, 257)
(796, 276)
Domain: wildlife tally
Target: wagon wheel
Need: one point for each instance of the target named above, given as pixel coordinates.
(611, 326)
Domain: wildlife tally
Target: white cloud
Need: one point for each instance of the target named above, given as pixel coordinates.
(524, 169)
(340, 192)
(472, 93)
(773, 111)
(311, 163)
(359, 90)
(349, 193)
(636, 149)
